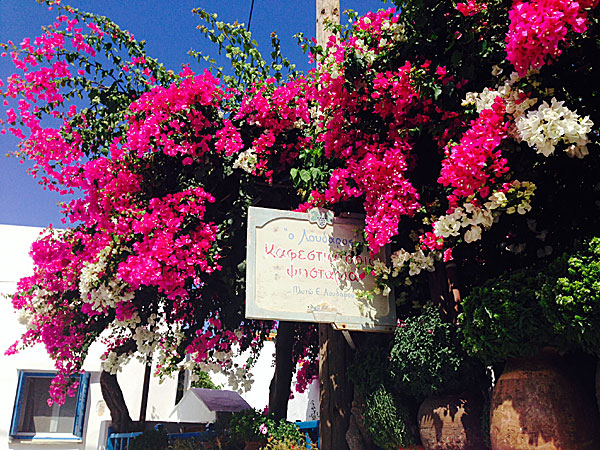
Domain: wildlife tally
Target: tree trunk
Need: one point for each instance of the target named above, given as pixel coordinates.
(336, 390)
(279, 389)
(113, 396)
(444, 291)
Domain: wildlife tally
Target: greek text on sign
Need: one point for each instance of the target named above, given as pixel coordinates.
(299, 267)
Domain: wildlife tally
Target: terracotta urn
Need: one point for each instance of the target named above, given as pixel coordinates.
(451, 422)
(536, 406)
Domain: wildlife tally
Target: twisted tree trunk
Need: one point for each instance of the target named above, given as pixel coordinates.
(113, 396)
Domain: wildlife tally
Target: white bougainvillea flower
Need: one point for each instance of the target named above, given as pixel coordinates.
(552, 124)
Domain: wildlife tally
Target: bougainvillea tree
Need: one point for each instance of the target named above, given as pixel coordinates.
(160, 208)
(465, 133)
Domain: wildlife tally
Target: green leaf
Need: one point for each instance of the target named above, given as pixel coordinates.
(305, 175)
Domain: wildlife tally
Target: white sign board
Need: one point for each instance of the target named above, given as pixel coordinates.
(302, 270)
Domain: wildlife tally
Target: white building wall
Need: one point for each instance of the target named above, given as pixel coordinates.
(304, 406)
(15, 242)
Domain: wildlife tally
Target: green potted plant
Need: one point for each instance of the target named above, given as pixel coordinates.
(529, 319)
(257, 430)
(388, 416)
(428, 362)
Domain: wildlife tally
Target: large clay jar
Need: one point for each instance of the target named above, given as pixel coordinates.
(451, 422)
(536, 406)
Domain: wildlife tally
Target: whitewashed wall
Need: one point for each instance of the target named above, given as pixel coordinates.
(302, 407)
(15, 263)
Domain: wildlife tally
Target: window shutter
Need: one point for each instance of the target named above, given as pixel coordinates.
(84, 382)
(14, 426)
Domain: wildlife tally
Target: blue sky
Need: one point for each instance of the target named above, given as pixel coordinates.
(169, 31)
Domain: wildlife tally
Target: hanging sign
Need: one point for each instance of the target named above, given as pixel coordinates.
(299, 267)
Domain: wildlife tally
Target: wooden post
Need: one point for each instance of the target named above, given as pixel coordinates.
(145, 389)
(334, 354)
(326, 10)
(336, 392)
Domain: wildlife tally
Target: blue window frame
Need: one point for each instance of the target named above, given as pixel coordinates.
(33, 419)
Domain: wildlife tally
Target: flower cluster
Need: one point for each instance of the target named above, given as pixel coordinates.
(179, 119)
(164, 256)
(134, 258)
(544, 128)
(475, 164)
(417, 261)
(273, 114)
(375, 162)
(516, 100)
(539, 27)
(470, 8)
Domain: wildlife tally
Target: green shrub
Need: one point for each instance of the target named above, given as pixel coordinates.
(503, 318)
(253, 426)
(571, 300)
(427, 358)
(387, 420)
(218, 443)
(286, 431)
(286, 443)
(245, 426)
(370, 367)
(203, 380)
(518, 313)
(150, 440)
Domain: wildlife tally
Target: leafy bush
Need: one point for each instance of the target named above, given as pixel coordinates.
(285, 443)
(245, 426)
(150, 440)
(283, 431)
(203, 380)
(387, 420)
(520, 312)
(571, 301)
(217, 443)
(370, 367)
(253, 426)
(427, 357)
(503, 318)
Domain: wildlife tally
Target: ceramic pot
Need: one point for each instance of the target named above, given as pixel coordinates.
(451, 422)
(536, 406)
